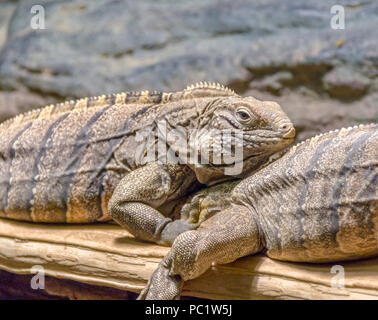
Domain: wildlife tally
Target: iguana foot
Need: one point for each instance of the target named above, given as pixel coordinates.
(162, 285)
(223, 238)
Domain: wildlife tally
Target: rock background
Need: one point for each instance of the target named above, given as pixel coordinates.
(281, 50)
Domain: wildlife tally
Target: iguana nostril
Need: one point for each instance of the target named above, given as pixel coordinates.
(287, 130)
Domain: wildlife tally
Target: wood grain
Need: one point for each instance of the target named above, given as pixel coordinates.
(106, 255)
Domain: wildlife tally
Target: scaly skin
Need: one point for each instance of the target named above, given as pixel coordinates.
(80, 161)
(199, 206)
(318, 203)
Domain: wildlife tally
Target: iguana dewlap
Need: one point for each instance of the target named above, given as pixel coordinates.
(80, 161)
(317, 203)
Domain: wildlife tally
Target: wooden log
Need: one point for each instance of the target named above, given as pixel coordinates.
(106, 255)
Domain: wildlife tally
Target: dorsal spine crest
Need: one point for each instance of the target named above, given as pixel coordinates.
(345, 129)
(211, 85)
(198, 90)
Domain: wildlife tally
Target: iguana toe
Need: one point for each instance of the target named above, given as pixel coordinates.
(162, 285)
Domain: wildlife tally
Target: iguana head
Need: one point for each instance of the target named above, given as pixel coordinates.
(252, 129)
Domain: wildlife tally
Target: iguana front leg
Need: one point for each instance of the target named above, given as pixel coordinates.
(136, 197)
(223, 238)
(207, 202)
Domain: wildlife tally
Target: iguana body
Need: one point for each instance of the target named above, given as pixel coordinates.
(199, 206)
(318, 203)
(63, 163)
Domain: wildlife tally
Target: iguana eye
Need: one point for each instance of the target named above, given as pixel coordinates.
(244, 116)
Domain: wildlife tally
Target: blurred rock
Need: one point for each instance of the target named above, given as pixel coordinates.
(6, 10)
(92, 47)
(345, 83)
(273, 83)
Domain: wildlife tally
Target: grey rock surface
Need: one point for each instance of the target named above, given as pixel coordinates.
(6, 10)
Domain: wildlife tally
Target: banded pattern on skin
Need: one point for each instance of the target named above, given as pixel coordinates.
(63, 162)
(41, 152)
(57, 165)
(23, 137)
(55, 160)
(98, 172)
(7, 151)
(318, 203)
(29, 152)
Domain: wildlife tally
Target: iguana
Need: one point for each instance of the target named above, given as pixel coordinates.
(197, 207)
(85, 160)
(317, 203)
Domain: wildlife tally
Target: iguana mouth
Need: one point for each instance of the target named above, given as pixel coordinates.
(251, 141)
(268, 135)
(246, 159)
(256, 147)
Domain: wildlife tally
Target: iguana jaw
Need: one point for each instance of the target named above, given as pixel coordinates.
(268, 142)
(256, 151)
(211, 174)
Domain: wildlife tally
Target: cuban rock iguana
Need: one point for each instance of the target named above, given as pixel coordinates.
(317, 203)
(79, 161)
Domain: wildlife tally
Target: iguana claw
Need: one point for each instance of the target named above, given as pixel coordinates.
(162, 285)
